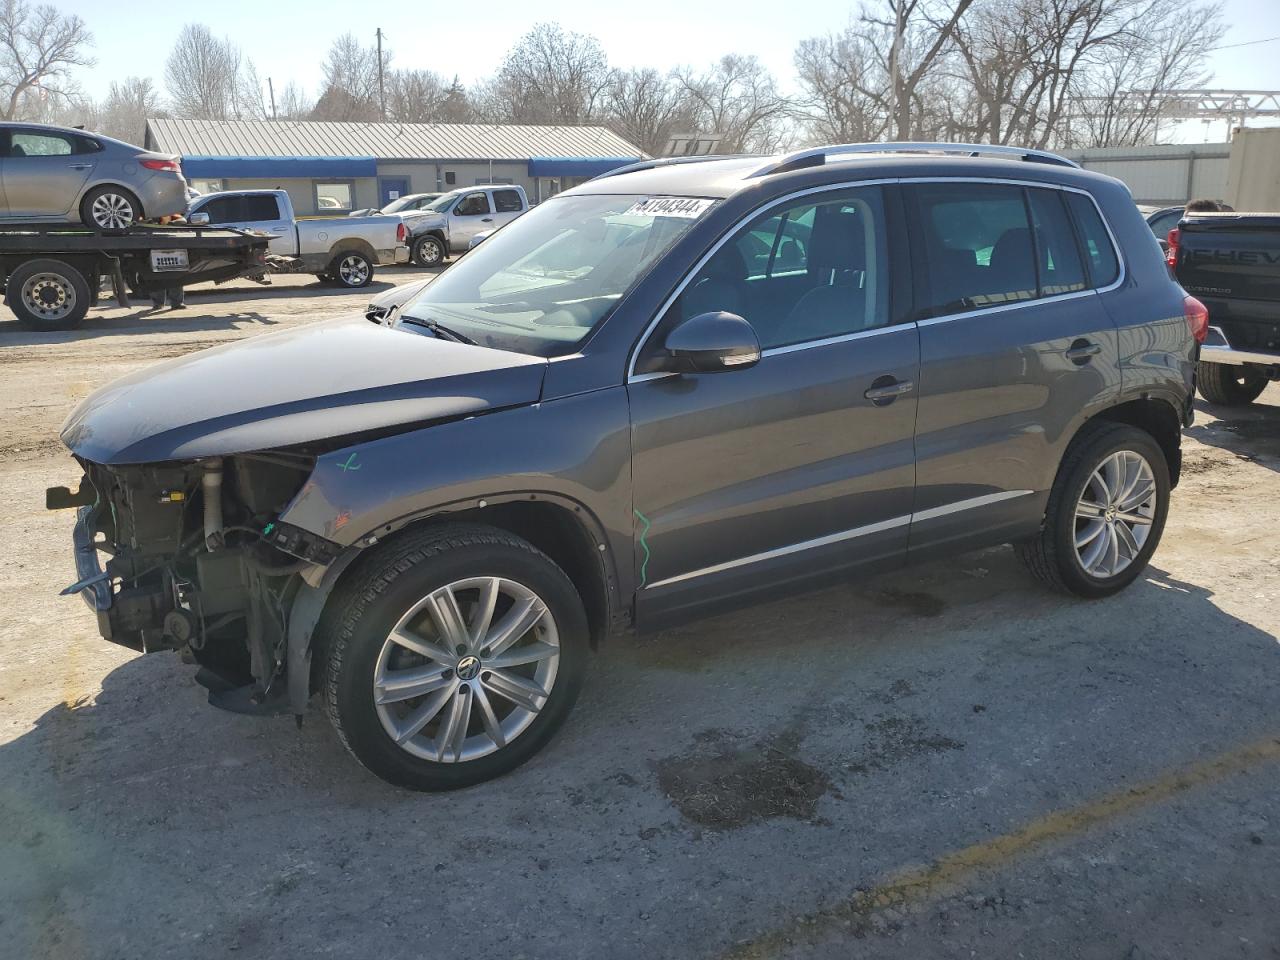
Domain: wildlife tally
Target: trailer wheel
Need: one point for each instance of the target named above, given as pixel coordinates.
(48, 295)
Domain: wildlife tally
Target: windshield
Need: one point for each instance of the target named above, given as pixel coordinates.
(395, 206)
(441, 204)
(542, 284)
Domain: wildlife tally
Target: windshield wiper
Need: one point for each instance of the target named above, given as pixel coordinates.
(441, 331)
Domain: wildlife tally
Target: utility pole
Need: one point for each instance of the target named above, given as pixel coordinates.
(271, 91)
(895, 70)
(382, 96)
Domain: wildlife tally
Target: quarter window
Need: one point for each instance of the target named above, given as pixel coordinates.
(809, 271)
(1104, 265)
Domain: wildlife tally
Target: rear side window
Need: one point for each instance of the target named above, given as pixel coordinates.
(259, 206)
(1058, 256)
(978, 246)
(507, 201)
(1104, 265)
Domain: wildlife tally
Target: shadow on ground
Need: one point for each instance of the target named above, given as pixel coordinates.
(1251, 433)
(714, 781)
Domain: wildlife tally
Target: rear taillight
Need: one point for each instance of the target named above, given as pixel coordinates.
(1197, 315)
(402, 233)
(169, 166)
(1171, 251)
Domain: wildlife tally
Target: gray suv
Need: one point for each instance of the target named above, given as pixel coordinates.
(62, 174)
(680, 386)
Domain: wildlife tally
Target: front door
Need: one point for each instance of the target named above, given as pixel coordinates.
(803, 464)
(1016, 352)
(44, 172)
(392, 188)
(471, 214)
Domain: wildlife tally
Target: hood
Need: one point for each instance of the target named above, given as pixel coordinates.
(424, 220)
(312, 383)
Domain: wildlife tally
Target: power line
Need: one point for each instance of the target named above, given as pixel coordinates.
(1249, 43)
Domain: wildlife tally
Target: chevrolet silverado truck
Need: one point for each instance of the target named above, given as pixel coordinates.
(1231, 263)
(447, 226)
(341, 250)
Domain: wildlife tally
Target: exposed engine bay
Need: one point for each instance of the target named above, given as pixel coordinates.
(197, 562)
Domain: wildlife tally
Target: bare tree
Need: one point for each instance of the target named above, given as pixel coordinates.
(38, 48)
(127, 107)
(836, 105)
(202, 75)
(648, 108)
(351, 81)
(549, 76)
(738, 99)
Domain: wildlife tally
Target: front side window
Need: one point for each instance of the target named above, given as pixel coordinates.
(24, 143)
(261, 206)
(473, 205)
(809, 271)
(334, 196)
(542, 283)
(223, 210)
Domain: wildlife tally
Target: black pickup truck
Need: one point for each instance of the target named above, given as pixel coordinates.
(1231, 263)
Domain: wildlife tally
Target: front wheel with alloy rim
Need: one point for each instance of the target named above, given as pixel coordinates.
(457, 653)
(352, 269)
(1105, 513)
(110, 208)
(428, 251)
(48, 295)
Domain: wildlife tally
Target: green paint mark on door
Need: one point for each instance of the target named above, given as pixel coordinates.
(644, 566)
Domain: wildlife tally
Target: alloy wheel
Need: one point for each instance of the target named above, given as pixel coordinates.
(467, 669)
(49, 296)
(1114, 514)
(353, 270)
(112, 211)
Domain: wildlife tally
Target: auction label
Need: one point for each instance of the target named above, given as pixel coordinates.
(688, 207)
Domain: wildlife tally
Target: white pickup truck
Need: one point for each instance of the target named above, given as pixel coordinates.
(342, 250)
(446, 225)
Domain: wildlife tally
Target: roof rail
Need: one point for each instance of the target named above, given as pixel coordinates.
(817, 156)
(667, 162)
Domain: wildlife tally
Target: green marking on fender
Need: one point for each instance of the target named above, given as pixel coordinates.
(350, 464)
(266, 531)
(644, 567)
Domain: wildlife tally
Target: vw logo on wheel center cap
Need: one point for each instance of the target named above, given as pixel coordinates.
(468, 667)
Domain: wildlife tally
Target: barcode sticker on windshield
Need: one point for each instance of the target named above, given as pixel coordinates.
(688, 207)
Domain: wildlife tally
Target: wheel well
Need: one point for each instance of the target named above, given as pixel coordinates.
(352, 245)
(114, 186)
(562, 536)
(1158, 418)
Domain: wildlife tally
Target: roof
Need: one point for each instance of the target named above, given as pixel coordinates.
(386, 141)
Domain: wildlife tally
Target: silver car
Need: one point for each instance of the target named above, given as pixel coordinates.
(56, 173)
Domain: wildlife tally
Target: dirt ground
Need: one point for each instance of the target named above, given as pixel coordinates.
(945, 762)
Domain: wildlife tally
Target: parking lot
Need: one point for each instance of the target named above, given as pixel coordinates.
(943, 762)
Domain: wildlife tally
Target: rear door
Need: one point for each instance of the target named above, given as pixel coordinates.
(507, 205)
(44, 172)
(801, 465)
(1015, 351)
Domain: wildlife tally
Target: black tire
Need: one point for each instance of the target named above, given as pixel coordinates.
(1229, 385)
(382, 588)
(1051, 555)
(126, 205)
(57, 284)
(351, 269)
(428, 251)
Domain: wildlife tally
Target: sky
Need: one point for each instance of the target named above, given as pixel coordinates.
(287, 39)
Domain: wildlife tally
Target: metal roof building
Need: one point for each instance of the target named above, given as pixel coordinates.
(356, 165)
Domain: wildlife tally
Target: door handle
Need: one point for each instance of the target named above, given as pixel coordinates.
(1082, 351)
(884, 390)
(81, 166)
(487, 220)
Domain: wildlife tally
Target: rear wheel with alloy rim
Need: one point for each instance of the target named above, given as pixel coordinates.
(459, 652)
(110, 208)
(1105, 514)
(352, 269)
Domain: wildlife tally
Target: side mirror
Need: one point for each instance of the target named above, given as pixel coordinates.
(710, 343)
(200, 219)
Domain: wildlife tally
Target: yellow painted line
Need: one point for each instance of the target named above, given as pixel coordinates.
(950, 872)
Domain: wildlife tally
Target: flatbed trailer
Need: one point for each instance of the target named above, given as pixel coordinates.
(52, 272)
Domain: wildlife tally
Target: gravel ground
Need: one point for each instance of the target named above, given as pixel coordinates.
(946, 762)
